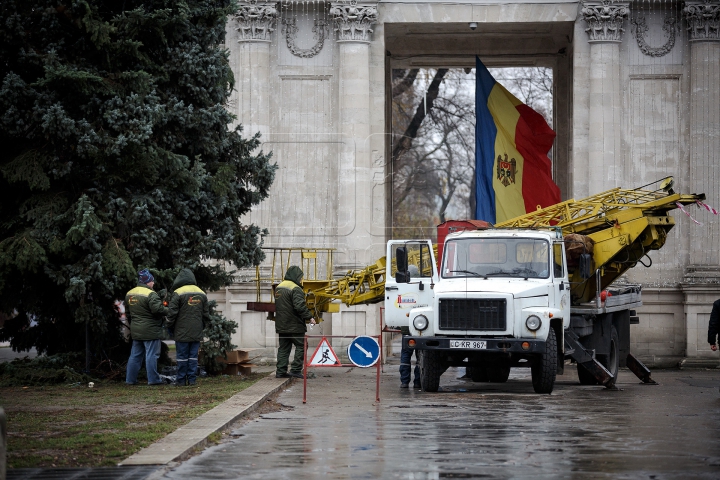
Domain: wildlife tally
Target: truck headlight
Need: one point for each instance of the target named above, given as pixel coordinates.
(420, 322)
(533, 322)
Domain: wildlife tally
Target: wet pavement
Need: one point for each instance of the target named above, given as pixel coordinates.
(475, 430)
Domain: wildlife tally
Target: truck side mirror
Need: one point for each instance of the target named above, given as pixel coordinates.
(402, 275)
(585, 265)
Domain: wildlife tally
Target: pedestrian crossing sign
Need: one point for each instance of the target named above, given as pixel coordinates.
(324, 356)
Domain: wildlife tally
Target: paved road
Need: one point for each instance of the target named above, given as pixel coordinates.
(477, 430)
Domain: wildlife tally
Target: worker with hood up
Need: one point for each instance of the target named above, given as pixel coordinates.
(188, 311)
(291, 316)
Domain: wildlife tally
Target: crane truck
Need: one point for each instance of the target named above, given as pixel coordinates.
(532, 291)
(529, 292)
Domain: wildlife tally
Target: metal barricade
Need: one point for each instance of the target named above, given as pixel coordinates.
(323, 339)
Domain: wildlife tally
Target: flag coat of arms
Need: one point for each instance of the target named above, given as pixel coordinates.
(512, 169)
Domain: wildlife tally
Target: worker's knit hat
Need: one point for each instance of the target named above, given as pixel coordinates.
(144, 276)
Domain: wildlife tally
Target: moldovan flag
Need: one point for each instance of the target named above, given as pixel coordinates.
(512, 169)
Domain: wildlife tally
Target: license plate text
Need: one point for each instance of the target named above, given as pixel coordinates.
(469, 344)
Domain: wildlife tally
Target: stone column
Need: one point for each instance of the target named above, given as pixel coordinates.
(703, 21)
(605, 27)
(352, 23)
(702, 279)
(254, 25)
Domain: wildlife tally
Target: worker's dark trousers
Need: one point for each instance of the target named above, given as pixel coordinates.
(406, 364)
(286, 341)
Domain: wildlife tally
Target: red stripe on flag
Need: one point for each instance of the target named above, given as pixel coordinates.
(533, 139)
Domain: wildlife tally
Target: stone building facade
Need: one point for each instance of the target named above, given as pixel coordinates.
(636, 98)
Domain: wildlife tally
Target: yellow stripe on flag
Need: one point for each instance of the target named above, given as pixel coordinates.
(507, 175)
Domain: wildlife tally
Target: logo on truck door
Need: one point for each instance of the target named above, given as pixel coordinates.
(406, 300)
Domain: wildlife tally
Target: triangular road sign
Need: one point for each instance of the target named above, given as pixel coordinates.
(324, 356)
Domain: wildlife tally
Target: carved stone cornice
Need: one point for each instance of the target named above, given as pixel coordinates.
(699, 275)
(353, 22)
(641, 28)
(255, 22)
(605, 20)
(703, 20)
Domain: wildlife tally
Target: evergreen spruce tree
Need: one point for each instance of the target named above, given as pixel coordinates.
(117, 154)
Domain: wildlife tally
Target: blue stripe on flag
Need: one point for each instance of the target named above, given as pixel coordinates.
(485, 133)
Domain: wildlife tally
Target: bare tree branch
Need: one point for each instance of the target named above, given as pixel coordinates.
(405, 142)
(407, 81)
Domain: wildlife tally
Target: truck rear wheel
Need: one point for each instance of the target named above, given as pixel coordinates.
(611, 361)
(586, 378)
(498, 374)
(430, 370)
(477, 373)
(544, 369)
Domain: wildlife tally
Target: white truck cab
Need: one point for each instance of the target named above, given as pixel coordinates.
(501, 298)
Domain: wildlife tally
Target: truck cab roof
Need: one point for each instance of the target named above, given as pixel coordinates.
(507, 232)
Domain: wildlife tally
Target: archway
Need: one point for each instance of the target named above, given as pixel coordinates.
(448, 50)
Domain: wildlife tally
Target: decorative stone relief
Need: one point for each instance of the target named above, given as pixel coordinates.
(256, 23)
(605, 20)
(352, 22)
(290, 28)
(641, 28)
(703, 19)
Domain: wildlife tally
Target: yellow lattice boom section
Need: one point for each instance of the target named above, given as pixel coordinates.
(623, 224)
(366, 286)
(324, 293)
(584, 216)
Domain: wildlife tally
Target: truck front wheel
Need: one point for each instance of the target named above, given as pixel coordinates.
(430, 370)
(544, 369)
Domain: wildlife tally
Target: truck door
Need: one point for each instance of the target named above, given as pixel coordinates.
(412, 288)
(560, 280)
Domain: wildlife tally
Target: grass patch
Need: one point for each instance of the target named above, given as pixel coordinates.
(214, 438)
(74, 426)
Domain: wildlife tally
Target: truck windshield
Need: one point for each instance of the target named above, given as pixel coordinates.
(496, 257)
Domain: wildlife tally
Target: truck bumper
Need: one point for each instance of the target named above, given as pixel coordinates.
(491, 344)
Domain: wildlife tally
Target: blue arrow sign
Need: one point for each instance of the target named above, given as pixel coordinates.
(364, 351)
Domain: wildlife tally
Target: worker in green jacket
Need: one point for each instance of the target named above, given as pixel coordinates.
(145, 312)
(291, 316)
(188, 312)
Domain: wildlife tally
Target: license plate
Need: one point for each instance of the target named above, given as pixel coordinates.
(469, 344)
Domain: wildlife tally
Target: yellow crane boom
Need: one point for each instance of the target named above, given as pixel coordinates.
(624, 226)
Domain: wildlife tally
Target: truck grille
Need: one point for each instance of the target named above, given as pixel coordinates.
(473, 314)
